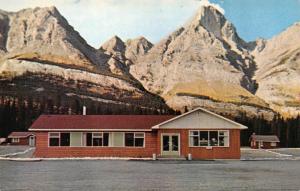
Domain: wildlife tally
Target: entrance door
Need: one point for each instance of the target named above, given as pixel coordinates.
(170, 144)
(32, 141)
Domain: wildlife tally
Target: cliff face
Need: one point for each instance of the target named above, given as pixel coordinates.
(39, 44)
(278, 70)
(204, 63)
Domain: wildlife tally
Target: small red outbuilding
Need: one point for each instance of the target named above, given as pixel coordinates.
(21, 138)
(199, 134)
(264, 141)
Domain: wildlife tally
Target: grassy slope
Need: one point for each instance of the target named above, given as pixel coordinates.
(216, 90)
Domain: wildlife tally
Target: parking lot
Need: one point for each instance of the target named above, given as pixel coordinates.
(149, 175)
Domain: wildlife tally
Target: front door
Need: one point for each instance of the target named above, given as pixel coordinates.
(32, 141)
(170, 145)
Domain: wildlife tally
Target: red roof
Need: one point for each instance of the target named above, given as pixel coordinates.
(97, 122)
(20, 134)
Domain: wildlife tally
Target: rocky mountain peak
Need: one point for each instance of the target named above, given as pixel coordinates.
(137, 47)
(115, 44)
(43, 34)
(212, 19)
(209, 18)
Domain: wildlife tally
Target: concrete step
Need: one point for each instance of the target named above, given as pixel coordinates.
(171, 158)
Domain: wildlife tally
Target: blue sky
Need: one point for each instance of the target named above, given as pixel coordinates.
(99, 20)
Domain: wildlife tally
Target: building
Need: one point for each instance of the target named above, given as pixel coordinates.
(21, 138)
(264, 141)
(199, 134)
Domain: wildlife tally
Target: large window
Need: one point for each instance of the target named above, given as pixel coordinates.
(97, 139)
(118, 139)
(134, 139)
(59, 139)
(75, 139)
(209, 138)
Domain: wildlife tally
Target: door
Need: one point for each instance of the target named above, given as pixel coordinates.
(32, 141)
(170, 145)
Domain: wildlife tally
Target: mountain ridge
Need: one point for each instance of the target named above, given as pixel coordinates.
(203, 63)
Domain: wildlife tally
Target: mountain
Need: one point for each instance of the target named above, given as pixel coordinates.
(278, 70)
(137, 47)
(123, 54)
(42, 56)
(204, 63)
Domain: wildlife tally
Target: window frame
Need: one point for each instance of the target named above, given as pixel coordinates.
(93, 136)
(59, 139)
(49, 137)
(110, 139)
(15, 140)
(135, 137)
(69, 139)
(227, 134)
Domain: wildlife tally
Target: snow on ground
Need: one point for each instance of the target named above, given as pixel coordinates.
(16, 151)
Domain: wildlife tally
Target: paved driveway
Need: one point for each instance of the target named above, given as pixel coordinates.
(150, 175)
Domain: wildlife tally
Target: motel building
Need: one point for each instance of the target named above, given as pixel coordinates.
(198, 134)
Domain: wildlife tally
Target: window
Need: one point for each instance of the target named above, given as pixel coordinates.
(213, 138)
(139, 139)
(194, 138)
(223, 138)
(97, 139)
(15, 140)
(134, 139)
(203, 138)
(209, 138)
(59, 139)
(54, 139)
(273, 144)
(64, 139)
(118, 139)
(75, 139)
(129, 139)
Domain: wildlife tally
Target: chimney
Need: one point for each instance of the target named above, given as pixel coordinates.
(84, 110)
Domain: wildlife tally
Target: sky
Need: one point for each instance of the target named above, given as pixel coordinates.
(98, 20)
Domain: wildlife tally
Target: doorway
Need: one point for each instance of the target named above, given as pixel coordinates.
(170, 144)
(32, 141)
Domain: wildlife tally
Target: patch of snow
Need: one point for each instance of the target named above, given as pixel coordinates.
(279, 154)
(98, 99)
(17, 153)
(40, 89)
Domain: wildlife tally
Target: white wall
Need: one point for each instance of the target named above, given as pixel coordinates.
(200, 120)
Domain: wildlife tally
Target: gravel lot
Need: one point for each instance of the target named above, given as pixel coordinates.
(150, 175)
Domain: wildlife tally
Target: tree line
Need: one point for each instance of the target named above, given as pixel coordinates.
(287, 130)
(18, 113)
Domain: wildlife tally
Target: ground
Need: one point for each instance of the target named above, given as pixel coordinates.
(258, 170)
(149, 175)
